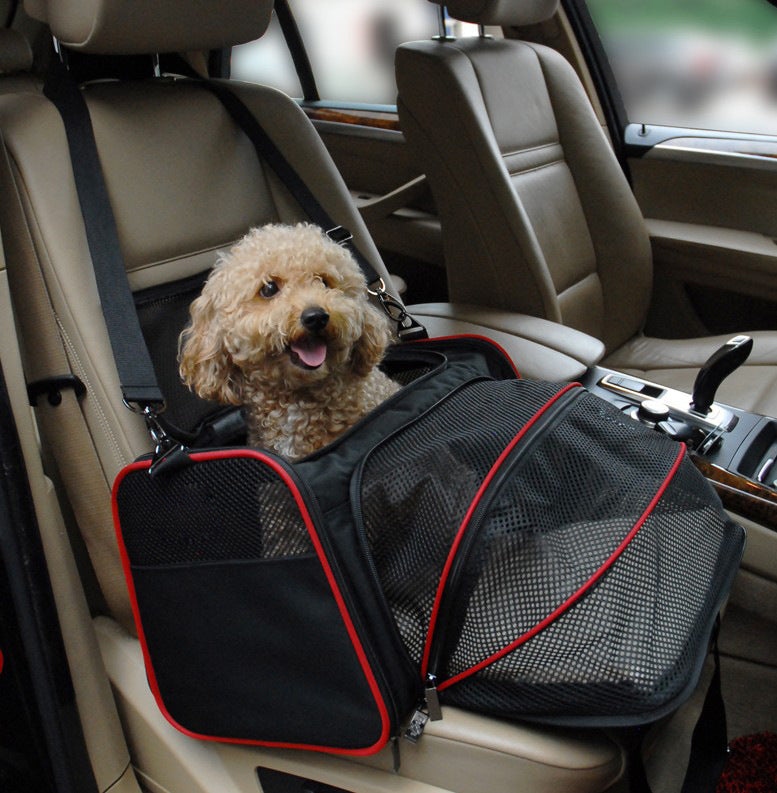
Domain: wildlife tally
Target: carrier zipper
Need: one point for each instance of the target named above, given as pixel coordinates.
(358, 515)
(317, 516)
(517, 455)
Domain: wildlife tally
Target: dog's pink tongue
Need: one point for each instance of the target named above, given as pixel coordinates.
(311, 351)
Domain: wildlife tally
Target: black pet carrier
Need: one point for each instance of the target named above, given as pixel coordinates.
(513, 547)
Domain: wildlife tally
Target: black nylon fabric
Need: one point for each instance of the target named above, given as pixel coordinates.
(541, 482)
(163, 312)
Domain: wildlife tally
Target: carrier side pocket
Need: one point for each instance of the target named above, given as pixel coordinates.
(245, 629)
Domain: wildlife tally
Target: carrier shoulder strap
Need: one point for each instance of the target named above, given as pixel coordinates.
(133, 362)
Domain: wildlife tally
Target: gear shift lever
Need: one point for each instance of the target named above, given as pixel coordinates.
(716, 369)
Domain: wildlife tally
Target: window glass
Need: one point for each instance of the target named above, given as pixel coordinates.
(267, 60)
(350, 44)
(705, 64)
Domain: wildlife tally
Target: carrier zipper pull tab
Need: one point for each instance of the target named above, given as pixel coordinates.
(395, 753)
(432, 698)
(415, 727)
(428, 710)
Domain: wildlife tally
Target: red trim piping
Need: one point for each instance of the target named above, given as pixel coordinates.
(468, 517)
(271, 463)
(572, 599)
(478, 338)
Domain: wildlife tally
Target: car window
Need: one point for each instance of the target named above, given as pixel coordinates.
(267, 60)
(705, 64)
(350, 44)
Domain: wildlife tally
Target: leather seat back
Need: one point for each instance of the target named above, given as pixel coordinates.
(530, 195)
(184, 183)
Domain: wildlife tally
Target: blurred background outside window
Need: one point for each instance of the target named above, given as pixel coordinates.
(350, 44)
(705, 64)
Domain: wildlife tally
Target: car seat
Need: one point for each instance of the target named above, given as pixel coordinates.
(184, 183)
(537, 216)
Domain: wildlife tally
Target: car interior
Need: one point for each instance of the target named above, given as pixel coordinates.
(496, 199)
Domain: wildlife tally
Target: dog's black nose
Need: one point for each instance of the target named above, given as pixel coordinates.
(314, 318)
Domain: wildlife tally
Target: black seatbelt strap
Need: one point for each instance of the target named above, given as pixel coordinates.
(407, 328)
(136, 372)
(709, 744)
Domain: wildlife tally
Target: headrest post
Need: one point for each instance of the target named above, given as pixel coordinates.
(482, 31)
(157, 68)
(441, 22)
(58, 49)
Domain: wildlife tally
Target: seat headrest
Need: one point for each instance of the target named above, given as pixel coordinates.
(15, 52)
(119, 27)
(500, 12)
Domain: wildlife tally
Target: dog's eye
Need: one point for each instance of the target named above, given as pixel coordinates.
(325, 281)
(269, 289)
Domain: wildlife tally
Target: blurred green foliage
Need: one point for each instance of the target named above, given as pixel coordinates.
(755, 19)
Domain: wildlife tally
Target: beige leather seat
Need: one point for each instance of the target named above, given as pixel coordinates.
(16, 63)
(183, 183)
(536, 214)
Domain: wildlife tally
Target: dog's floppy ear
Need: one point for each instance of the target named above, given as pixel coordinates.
(368, 351)
(204, 363)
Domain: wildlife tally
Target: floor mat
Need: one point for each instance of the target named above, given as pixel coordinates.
(751, 766)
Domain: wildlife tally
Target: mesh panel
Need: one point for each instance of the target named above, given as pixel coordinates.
(214, 510)
(418, 485)
(163, 313)
(632, 642)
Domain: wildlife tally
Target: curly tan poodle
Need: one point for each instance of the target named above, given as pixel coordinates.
(284, 327)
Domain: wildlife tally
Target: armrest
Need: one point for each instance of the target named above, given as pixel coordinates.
(539, 348)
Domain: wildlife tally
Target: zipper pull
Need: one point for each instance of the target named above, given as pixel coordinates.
(415, 728)
(428, 710)
(395, 753)
(432, 698)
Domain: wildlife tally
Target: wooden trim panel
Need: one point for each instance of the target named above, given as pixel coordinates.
(741, 495)
(364, 118)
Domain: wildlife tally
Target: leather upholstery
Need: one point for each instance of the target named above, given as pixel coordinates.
(15, 52)
(537, 216)
(526, 185)
(500, 12)
(148, 26)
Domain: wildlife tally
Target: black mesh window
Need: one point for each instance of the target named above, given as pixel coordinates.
(217, 510)
(417, 488)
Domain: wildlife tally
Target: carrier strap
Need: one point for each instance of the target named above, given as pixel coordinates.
(136, 372)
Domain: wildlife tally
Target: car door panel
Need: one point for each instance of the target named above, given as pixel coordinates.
(708, 203)
(376, 164)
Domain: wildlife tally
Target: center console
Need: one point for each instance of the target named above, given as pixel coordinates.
(734, 449)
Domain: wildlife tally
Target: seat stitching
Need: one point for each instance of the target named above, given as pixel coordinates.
(536, 167)
(532, 148)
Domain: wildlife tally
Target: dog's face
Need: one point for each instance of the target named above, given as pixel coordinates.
(286, 308)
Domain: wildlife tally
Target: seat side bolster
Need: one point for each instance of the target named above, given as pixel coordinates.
(615, 223)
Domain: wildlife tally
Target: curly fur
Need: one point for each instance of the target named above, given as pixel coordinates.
(237, 348)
